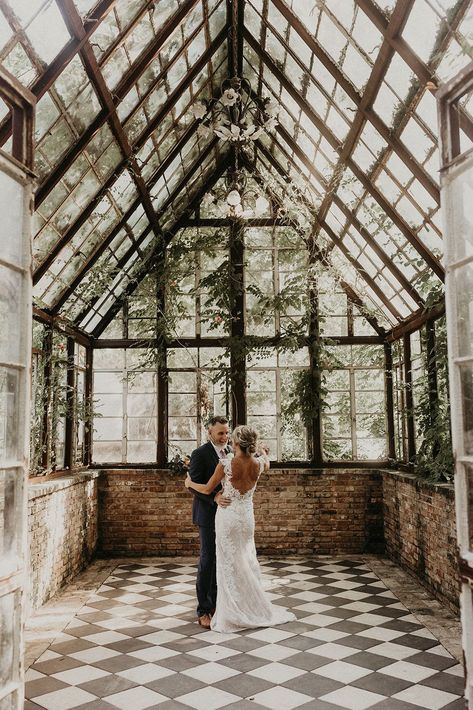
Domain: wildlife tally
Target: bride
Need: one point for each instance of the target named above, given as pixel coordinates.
(241, 600)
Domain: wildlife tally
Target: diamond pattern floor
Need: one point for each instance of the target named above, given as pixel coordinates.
(136, 645)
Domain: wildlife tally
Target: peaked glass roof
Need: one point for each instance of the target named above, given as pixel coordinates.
(119, 162)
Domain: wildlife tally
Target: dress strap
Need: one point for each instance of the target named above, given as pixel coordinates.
(227, 467)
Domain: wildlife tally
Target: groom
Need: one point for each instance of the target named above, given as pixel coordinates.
(202, 465)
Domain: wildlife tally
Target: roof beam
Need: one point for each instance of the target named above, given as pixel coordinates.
(363, 273)
(113, 310)
(395, 271)
(90, 261)
(174, 97)
(74, 24)
(43, 316)
(67, 53)
(135, 247)
(416, 321)
(412, 238)
(322, 256)
(378, 72)
(424, 72)
(369, 239)
(354, 297)
(364, 107)
(119, 93)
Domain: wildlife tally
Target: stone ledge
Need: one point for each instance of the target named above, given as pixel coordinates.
(447, 488)
(38, 488)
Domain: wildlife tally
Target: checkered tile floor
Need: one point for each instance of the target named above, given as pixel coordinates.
(136, 645)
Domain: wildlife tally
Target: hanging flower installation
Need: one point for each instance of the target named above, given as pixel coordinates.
(235, 116)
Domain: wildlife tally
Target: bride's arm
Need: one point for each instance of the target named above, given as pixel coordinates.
(210, 485)
(263, 455)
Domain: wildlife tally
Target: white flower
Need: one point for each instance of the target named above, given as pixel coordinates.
(199, 109)
(261, 205)
(230, 97)
(271, 124)
(235, 131)
(223, 210)
(252, 132)
(235, 210)
(271, 108)
(229, 455)
(233, 198)
(223, 132)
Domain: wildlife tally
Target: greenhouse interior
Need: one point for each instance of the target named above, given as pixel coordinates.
(230, 219)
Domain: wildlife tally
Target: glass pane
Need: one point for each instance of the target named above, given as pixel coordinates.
(466, 385)
(108, 404)
(12, 220)
(182, 428)
(9, 415)
(141, 405)
(459, 196)
(11, 309)
(107, 452)
(141, 452)
(9, 638)
(11, 481)
(462, 282)
(108, 429)
(141, 429)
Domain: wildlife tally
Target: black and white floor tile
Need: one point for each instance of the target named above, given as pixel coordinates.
(136, 645)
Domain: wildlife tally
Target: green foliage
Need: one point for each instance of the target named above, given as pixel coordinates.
(50, 401)
(178, 464)
(434, 459)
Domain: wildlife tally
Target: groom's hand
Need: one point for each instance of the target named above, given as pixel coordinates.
(221, 500)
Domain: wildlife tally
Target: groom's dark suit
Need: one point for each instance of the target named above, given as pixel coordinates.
(202, 465)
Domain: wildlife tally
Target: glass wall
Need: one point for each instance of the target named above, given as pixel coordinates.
(200, 286)
(15, 346)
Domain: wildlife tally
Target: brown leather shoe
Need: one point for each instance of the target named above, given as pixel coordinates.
(204, 621)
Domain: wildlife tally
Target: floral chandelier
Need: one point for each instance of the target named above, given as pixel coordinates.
(235, 116)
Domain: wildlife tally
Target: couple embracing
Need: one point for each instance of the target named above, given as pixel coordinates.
(230, 594)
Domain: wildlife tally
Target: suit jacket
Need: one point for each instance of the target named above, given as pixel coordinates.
(203, 463)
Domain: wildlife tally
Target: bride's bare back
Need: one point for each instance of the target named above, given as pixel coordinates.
(244, 473)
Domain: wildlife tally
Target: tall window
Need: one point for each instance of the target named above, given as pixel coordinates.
(198, 388)
(353, 419)
(125, 404)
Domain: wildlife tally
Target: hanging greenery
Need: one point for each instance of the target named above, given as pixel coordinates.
(434, 458)
(51, 401)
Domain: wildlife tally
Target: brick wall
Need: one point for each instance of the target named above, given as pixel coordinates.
(324, 512)
(297, 512)
(62, 532)
(420, 532)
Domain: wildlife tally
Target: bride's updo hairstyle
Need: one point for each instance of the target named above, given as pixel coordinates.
(246, 437)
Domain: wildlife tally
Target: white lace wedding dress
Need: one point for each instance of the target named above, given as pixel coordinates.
(242, 602)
